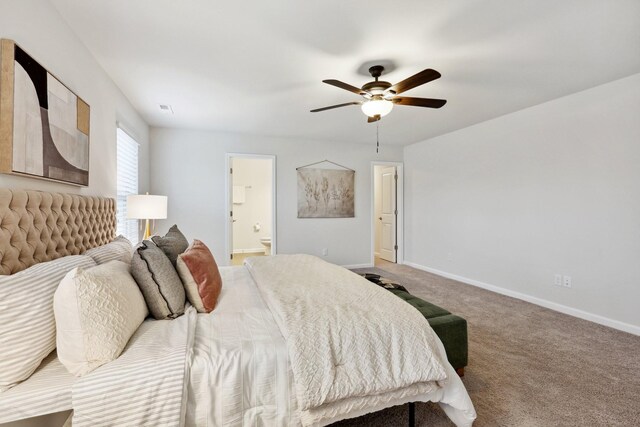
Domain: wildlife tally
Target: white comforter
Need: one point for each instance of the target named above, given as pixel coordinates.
(348, 339)
(237, 372)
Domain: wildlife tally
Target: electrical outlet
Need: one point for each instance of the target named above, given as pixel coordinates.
(325, 252)
(558, 280)
(566, 282)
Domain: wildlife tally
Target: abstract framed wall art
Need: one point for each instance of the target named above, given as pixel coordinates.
(44, 126)
(326, 193)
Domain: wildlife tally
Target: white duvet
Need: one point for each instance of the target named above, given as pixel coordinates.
(348, 338)
(237, 371)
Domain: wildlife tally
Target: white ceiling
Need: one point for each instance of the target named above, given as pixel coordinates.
(256, 66)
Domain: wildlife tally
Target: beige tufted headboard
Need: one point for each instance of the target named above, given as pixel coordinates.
(36, 226)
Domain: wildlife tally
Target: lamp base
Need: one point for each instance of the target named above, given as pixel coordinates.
(147, 230)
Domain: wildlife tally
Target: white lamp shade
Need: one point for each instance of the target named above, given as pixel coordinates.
(377, 107)
(146, 206)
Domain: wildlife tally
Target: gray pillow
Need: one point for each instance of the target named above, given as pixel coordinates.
(172, 244)
(158, 280)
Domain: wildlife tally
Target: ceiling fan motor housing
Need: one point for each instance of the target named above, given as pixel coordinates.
(376, 88)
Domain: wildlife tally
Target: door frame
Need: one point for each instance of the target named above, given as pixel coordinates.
(399, 206)
(228, 238)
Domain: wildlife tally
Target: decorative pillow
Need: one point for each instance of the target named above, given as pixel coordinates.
(200, 276)
(97, 310)
(158, 281)
(27, 324)
(172, 244)
(120, 249)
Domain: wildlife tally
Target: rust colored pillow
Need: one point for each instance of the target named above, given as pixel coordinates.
(200, 276)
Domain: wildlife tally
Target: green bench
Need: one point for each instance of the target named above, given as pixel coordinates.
(451, 329)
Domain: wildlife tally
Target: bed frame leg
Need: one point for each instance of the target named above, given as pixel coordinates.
(460, 372)
(412, 414)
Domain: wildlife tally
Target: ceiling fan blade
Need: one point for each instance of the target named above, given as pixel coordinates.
(345, 86)
(419, 102)
(373, 119)
(424, 76)
(335, 106)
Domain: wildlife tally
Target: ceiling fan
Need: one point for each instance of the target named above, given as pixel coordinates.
(380, 96)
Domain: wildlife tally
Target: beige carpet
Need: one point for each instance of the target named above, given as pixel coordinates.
(528, 366)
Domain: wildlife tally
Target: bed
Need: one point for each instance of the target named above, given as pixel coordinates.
(234, 366)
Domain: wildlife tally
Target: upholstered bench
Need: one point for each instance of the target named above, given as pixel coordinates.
(451, 329)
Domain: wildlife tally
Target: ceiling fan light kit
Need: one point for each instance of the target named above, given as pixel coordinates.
(380, 96)
(376, 107)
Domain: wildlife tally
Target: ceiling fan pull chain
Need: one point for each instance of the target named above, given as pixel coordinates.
(377, 136)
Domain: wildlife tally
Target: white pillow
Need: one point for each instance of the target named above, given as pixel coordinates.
(27, 325)
(97, 311)
(119, 249)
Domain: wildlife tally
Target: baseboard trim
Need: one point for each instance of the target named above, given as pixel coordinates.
(596, 318)
(352, 266)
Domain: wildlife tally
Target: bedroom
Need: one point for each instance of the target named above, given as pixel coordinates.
(529, 172)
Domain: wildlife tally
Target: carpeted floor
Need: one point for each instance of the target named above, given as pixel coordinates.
(528, 366)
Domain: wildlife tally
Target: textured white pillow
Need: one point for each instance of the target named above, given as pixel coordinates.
(97, 311)
(27, 325)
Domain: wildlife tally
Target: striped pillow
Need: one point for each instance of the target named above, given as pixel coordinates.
(118, 250)
(27, 324)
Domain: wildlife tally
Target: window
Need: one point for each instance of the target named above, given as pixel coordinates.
(127, 184)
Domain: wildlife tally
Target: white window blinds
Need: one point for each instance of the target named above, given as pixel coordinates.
(127, 184)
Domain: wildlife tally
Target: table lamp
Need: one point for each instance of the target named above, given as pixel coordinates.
(146, 206)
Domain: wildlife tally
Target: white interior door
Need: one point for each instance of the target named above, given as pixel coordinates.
(388, 214)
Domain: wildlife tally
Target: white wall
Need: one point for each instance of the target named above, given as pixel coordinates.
(256, 176)
(38, 28)
(189, 167)
(551, 189)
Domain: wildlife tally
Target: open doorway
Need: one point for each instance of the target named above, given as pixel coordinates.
(251, 205)
(387, 213)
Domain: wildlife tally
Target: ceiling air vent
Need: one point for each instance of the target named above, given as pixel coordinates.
(166, 108)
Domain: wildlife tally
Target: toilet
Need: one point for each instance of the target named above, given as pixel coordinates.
(266, 242)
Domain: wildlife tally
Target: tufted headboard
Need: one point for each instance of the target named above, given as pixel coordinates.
(36, 226)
